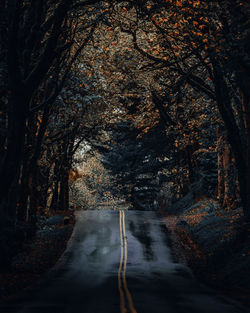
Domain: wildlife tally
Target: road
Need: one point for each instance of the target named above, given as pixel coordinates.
(119, 261)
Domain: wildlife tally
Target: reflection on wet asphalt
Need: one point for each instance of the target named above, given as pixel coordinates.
(142, 233)
(87, 279)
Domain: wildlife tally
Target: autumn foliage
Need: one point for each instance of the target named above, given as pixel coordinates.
(177, 71)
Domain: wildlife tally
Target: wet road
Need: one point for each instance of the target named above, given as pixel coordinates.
(119, 261)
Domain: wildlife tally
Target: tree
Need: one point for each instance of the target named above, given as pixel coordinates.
(42, 42)
(199, 46)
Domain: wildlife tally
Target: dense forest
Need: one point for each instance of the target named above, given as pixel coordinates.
(145, 101)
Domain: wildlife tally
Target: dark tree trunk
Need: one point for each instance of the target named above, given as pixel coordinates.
(233, 134)
(22, 211)
(64, 191)
(11, 165)
(56, 178)
(220, 149)
(229, 182)
(246, 119)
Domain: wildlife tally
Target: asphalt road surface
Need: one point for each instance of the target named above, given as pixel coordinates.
(119, 261)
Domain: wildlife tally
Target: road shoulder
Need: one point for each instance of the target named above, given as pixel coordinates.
(38, 255)
(214, 247)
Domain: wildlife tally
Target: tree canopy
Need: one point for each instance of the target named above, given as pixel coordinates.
(159, 88)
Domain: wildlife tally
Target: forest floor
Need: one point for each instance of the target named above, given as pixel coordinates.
(38, 255)
(214, 246)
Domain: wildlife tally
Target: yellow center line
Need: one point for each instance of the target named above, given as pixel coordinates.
(122, 299)
(123, 267)
(128, 294)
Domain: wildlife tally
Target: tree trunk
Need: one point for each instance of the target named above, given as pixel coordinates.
(54, 201)
(220, 148)
(64, 191)
(22, 210)
(11, 165)
(32, 218)
(229, 183)
(246, 118)
(55, 188)
(225, 107)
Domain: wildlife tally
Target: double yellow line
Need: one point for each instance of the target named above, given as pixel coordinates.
(122, 269)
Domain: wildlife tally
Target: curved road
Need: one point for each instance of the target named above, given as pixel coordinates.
(119, 261)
